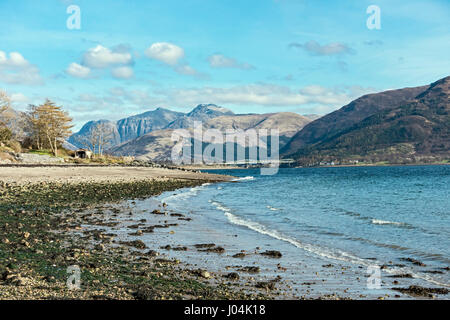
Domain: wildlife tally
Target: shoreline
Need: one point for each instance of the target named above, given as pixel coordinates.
(213, 168)
(51, 223)
(45, 230)
(380, 165)
(87, 174)
(300, 274)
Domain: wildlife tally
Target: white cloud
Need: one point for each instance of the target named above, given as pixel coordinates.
(220, 61)
(118, 59)
(78, 71)
(15, 69)
(186, 69)
(100, 57)
(265, 95)
(315, 48)
(165, 52)
(119, 101)
(122, 72)
(171, 55)
(19, 98)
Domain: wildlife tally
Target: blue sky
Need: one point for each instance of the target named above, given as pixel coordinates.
(305, 56)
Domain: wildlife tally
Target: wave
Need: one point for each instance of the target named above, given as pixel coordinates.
(372, 220)
(244, 178)
(377, 221)
(186, 194)
(255, 226)
(334, 254)
(272, 208)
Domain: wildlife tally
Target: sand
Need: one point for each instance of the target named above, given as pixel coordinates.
(73, 174)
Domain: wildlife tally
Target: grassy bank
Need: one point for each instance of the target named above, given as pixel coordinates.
(39, 241)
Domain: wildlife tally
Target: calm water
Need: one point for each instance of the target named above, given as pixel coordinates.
(360, 216)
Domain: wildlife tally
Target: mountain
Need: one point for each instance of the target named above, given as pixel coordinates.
(132, 127)
(128, 128)
(404, 125)
(136, 126)
(202, 112)
(80, 138)
(312, 116)
(15, 121)
(157, 145)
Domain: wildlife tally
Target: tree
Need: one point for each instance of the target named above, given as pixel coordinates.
(33, 126)
(5, 104)
(49, 125)
(99, 137)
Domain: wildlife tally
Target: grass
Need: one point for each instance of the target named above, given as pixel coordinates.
(42, 152)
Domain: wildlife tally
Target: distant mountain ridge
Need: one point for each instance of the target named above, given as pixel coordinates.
(129, 128)
(398, 125)
(202, 112)
(148, 134)
(157, 145)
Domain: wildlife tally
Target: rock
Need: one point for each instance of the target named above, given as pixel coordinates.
(421, 291)
(148, 230)
(167, 261)
(414, 261)
(401, 275)
(239, 255)
(204, 245)
(272, 253)
(250, 269)
(215, 249)
(25, 243)
(136, 244)
(203, 273)
(232, 276)
(176, 215)
(152, 253)
(37, 158)
(157, 212)
(16, 280)
(146, 293)
(268, 285)
(279, 267)
(180, 249)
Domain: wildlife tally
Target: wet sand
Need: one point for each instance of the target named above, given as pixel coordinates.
(74, 174)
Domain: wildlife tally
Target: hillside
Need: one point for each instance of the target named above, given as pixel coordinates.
(398, 126)
(157, 145)
(129, 128)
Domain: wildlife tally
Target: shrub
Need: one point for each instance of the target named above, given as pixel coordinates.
(15, 145)
(5, 134)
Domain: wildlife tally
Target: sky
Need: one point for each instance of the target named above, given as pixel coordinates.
(255, 56)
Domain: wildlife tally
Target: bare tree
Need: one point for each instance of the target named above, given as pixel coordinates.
(5, 104)
(99, 137)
